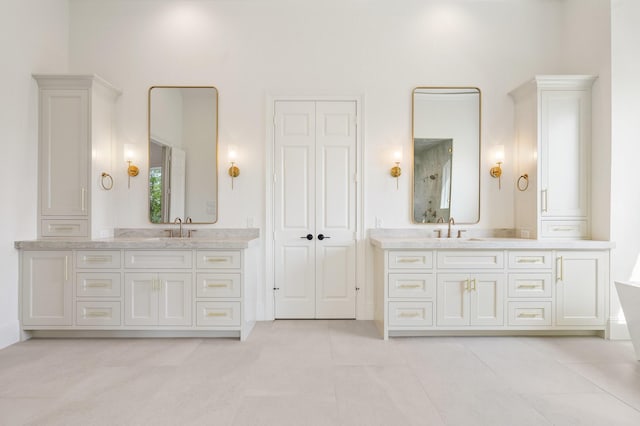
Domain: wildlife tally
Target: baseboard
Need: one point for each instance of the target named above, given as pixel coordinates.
(9, 333)
(618, 330)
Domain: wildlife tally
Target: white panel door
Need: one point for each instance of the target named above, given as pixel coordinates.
(452, 299)
(563, 168)
(581, 278)
(141, 298)
(487, 299)
(177, 198)
(64, 159)
(46, 288)
(315, 209)
(294, 211)
(335, 209)
(175, 299)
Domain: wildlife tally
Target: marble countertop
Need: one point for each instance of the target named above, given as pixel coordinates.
(153, 239)
(421, 242)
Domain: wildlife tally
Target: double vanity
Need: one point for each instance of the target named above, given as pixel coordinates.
(427, 285)
(140, 283)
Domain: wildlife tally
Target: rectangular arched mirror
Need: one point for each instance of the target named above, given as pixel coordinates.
(183, 146)
(446, 154)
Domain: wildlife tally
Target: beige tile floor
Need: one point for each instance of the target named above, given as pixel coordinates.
(321, 373)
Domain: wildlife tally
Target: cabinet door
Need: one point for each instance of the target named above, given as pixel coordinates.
(452, 297)
(64, 159)
(175, 299)
(487, 299)
(564, 138)
(46, 288)
(581, 278)
(141, 298)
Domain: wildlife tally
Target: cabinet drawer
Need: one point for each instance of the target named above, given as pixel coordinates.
(413, 314)
(530, 259)
(157, 259)
(529, 313)
(210, 259)
(98, 284)
(564, 228)
(98, 259)
(64, 228)
(412, 285)
(218, 285)
(410, 259)
(218, 314)
(530, 285)
(98, 313)
(477, 259)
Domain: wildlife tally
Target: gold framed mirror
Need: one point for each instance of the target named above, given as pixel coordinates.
(446, 154)
(183, 153)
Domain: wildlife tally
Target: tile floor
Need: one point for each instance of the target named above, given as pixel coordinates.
(321, 373)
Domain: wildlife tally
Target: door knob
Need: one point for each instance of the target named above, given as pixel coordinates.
(322, 237)
(309, 237)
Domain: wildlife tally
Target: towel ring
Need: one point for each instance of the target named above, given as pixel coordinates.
(524, 187)
(106, 181)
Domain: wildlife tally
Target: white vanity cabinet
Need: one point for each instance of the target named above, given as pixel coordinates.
(203, 291)
(47, 288)
(410, 290)
(553, 128)
(581, 282)
(75, 119)
(157, 299)
(98, 288)
(519, 288)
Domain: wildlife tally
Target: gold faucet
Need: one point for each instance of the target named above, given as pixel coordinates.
(179, 222)
(440, 220)
(451, 222)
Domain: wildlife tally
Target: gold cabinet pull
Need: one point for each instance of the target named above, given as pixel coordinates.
(529, 260)
(216, 314)
(409, 260)
(529, 315)
(216, 259)
(409, 315)
(529, 286)
(410, 286)
(97, 285)
(61, 228)
(560, 269)
(475, 285)
(466, 285)
(96, 314)
(544, 201)
(216, 285)
(96, 259)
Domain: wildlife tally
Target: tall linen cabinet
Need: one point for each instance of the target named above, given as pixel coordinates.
(75, 147)
(553, 140)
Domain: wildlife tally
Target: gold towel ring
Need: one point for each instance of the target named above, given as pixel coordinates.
(106, 177)
(526, 182)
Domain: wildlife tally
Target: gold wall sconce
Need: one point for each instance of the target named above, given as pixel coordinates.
(496, 171)
(129, 157)
(396, 171)
(234, 171)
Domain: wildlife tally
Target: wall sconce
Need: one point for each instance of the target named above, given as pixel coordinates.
(496, 171)
(234, 171)
(129, 157)
(396, 171)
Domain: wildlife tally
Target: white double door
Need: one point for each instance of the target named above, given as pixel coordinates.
(315, 209)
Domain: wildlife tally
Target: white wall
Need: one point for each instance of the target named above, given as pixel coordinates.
(377, 49)
(34, 40)
(625, 142)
